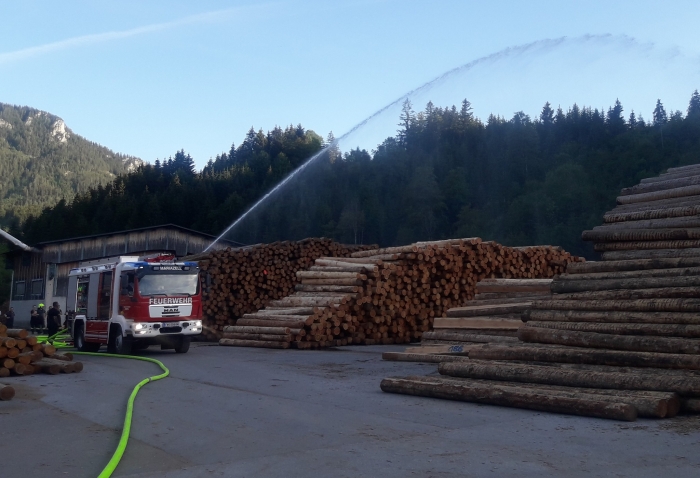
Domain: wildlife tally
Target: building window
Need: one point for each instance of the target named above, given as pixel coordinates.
(37, 289)
(19, 291)
(61, 285)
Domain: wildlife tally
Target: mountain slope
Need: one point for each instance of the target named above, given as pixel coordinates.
(43, 161)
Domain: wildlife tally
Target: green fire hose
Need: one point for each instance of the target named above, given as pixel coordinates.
(119, 452)
(61, 340)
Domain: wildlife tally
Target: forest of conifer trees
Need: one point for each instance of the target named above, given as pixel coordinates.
(444, 174)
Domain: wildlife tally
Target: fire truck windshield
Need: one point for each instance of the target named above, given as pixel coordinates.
(168, 284)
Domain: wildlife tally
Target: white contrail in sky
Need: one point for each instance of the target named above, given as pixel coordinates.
(84, 40)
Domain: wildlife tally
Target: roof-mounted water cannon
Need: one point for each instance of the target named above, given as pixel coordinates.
(158, 257)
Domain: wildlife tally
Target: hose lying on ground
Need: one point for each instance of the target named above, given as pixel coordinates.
(119, 452)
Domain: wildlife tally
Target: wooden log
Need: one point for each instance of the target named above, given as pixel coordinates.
(480, 392)
(306, 301)
(631, 265)
(330, 275)
(327, 288)
(662, 185)
(501, 298)
(48, 349)
(292, 324)
(645, 245)
(661, 330)
(17, 333)
(661, 223)
(47, 367)
(306, 319)
(680, 211)
(258, 337)
(421, 357)
(306, 311)
(465, 337)
(634, 274)
(657, 195)
(486, 310)
(689, 318)
(638, 305)
(650, 254)
(7, 392)
(579, 355)
(572, 285)
(516, 372)
(254, 343)
(67, 356)
(607, 341)
(620, 234)
(8, 342)
(256, 330)
(467, 323)
(335, 281)
(633, 294)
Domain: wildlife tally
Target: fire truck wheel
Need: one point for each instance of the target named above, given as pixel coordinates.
(80, 343)
(118, 344)
(183, 345)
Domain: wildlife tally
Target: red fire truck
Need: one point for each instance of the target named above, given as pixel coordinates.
(130, 303)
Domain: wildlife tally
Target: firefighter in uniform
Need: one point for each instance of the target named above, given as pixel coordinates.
(53, 319)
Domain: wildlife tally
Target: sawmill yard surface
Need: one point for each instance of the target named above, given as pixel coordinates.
(245, 412)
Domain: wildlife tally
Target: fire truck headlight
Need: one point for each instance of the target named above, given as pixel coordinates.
(139, 326)
(197, 323)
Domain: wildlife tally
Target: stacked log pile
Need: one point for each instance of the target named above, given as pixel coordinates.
(492, 317)
(626, 328)
(243, 280)
(386, 296)
(21, 354)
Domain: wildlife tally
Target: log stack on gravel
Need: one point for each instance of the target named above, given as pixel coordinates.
(243, 280)
(386, 296)
(619, 338)
(492, 317)
(21, 354)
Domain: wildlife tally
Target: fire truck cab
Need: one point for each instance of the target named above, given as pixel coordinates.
(129, 303)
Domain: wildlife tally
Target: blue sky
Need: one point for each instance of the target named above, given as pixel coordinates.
(150, 78)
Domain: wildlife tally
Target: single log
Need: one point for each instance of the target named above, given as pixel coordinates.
(327, 288)
(579, 355)
(639, 305)
(534, 288)
(636, 274)
(306, 319)
(254, 343)
(465, 337)
(289, 311)
(631, 265)
(650, 254)
(607, 341)
(620, 234)
(572, 285)
(292, 324)
(8, 342)
(260, 337)
(657, 195)
(7, 392)
(456, 349)
(662, 223)
(17, 333)
(645, 245)
(421, 357)
(531, 399)
(256, 330)
(494, 322)
(620, 216)
(689, 318)
(330, 275)
(67, 356)
(48, 349)
(633, 294)
(478, 300)
(337, 281)
(662, 330)
(306, 301)
(544, 374)
(485, 310)
(662, 185)
(45, 366)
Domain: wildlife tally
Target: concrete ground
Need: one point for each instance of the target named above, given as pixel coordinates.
(240, 412)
